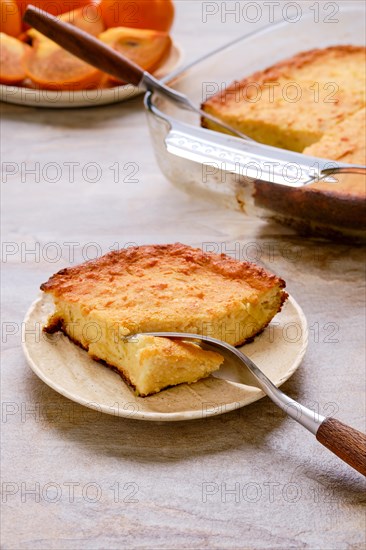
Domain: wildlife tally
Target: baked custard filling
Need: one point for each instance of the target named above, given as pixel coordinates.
(147, 363)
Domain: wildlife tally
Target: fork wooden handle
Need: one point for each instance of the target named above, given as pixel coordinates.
(84, 46)
(346, 442)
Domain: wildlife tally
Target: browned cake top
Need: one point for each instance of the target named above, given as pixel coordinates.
(318, 65)
(167, 280)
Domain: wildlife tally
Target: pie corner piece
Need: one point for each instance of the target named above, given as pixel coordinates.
(161, 288)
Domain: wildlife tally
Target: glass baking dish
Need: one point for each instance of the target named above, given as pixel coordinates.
(174, 130)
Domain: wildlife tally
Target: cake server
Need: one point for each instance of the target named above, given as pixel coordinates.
(96, 53)
(218, 152)
(345, 442)
(236, 153)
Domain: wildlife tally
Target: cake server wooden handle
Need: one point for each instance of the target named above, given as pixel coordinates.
(84, 46)
(346, 442)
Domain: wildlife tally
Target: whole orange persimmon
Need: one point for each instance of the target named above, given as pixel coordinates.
(56, 7)
(10, 19)
(139, 14)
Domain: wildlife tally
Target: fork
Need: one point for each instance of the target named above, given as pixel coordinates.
(93, 51)
(345, 442)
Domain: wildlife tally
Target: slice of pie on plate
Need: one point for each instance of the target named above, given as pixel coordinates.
(161, 288)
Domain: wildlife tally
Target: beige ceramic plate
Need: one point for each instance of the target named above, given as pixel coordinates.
(58, 99)
(69, 370)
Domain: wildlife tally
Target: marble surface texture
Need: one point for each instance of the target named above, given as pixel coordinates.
(73, 478)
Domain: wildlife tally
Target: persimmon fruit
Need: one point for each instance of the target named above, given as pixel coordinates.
(13, 55)
(146, 48)
(143, 39)
(10, 18)
(53, 68)
(138, 14)
(55, 7)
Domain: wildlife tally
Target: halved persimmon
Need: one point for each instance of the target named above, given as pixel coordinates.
(146, 48)
(53, 68)
(140, 14)
(10, 19)
(13, 55)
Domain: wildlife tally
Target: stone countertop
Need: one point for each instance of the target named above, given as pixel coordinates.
(252, 478)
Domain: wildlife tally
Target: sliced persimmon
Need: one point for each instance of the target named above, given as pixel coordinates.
(55, 7)
(13, 55)
(53, 68)
(146, 48)
(32, 36)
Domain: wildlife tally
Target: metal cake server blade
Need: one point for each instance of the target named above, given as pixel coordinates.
(252, 159)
